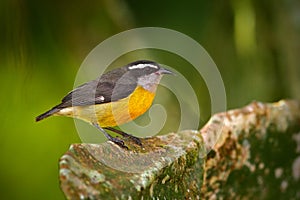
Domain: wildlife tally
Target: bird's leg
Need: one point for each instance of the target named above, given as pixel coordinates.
(109, 137)
(133, 138)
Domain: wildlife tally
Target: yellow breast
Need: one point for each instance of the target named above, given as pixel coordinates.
(114, 113)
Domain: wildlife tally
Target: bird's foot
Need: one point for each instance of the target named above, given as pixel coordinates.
(136, 140)
(118, 141)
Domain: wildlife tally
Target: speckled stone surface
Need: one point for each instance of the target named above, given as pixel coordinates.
(248, 153)
(166, 167)
(254, 153)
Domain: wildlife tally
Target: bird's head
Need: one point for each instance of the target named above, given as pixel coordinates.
(147, 73)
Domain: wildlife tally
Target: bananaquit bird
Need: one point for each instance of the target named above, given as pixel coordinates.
(117, 97)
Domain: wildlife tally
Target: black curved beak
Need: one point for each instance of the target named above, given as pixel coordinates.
(165, 71)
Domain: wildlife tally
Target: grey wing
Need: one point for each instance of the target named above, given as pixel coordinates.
(99, 91)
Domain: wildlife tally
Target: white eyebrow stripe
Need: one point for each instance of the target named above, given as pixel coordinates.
(141, 66)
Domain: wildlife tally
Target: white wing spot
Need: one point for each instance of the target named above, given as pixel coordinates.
(101, 98)
(141, 66)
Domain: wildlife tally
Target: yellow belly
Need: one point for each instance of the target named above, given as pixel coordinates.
(115, 113)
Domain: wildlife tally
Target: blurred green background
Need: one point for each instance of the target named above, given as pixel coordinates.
(255, 45)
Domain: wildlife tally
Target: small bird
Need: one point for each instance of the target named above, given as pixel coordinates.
(116, 97)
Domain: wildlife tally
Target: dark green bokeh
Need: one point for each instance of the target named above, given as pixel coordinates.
(255, 44)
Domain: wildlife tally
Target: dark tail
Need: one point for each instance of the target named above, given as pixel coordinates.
(47, 114)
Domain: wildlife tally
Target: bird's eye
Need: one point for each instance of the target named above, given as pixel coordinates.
(149, 70)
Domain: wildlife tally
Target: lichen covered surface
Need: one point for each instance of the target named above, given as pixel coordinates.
(248, 153)
(165, 167)
(254, 153)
